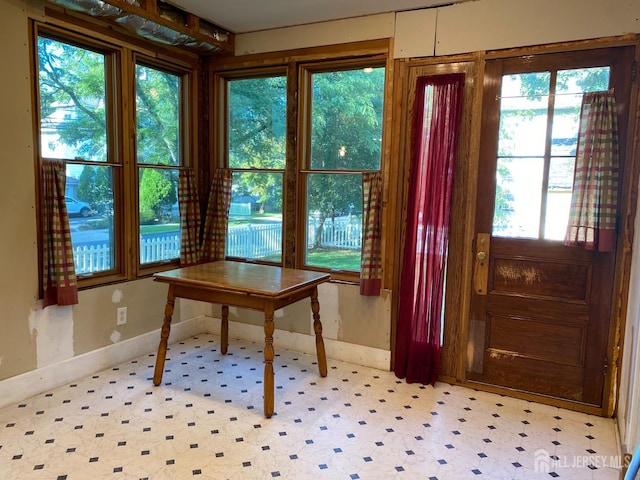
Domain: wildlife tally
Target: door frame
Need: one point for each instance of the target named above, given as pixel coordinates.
(461, 249)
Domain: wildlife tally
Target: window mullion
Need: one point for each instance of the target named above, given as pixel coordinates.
(547, 153)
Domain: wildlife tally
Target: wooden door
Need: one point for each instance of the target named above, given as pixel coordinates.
(541, 312)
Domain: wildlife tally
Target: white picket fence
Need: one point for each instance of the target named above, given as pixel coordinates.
(244, 241)
(97, 256)
(254, 241)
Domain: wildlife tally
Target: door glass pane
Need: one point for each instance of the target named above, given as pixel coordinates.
(257, 122)
(334, 215)
(73, 119)
(159, 216)
(89, 200)
(571, 84)
(346, 119)
(157, 117)
(255, 216)
(523, 114)
(518, 195)
(558, 197)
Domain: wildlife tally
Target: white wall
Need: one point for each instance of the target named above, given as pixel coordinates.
(462, 28)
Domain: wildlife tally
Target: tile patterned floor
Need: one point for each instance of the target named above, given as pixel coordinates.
(205, 421)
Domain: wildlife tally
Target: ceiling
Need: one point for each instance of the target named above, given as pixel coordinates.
(242, 16)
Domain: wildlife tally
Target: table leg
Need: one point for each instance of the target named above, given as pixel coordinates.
(268, 360)
(317, 328)
(164, 337)
(224, 330)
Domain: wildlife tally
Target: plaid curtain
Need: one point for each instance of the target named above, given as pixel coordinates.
(594, 200)
(189, 217)
(58, 268)
(215, 224)
(371, 263)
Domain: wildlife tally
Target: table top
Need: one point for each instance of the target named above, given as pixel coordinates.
(249, 278)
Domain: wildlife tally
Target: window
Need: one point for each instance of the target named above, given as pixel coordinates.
(257, 156)
(336, 133)
(158, 153)
(539, 110)
(75, 118)
(84, 88)
(344, 137)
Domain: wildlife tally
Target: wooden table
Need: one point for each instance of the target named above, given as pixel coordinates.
(245, 285)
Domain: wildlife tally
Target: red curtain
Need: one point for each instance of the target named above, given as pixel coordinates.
(436, 124)
(58, 268)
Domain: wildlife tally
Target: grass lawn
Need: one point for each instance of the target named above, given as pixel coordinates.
(339, 259)
(257, 218)
(160, 228)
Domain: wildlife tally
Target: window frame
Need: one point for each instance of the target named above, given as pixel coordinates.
(221, 95)
(186, 85)
(120, 64)
(614, 57)
(297, 68)
(305, 170)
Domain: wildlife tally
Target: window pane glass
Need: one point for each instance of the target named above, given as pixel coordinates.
(346, 119)
(73, 121)
(518, 197)
(334, 216)
(157, 116)
(89, 199)
(523, 114)
(582, 80)
(257, 122)
(159, 216)
(255, 216)
(571, 84)
(558, 197)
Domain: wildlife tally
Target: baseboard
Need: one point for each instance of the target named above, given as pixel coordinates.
(16, 389)
(298, 342)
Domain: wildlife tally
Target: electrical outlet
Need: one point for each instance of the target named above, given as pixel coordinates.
(121, 316)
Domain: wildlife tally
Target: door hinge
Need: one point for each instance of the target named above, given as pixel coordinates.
(605, 368)
(634, 71)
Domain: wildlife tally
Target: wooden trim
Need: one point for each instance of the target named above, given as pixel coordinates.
(625, 244)
(554, 402)
(470, 193)
(458, 266)
(628, 39)
(291, 179)
(325, 53)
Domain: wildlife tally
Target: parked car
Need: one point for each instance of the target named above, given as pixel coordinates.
(77, 207)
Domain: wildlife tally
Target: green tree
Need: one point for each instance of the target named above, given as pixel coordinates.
(157, 194)
(95, 187)
(73, 104)
(346, 120)
(257, 137)
(72, 82)
(157, 116)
